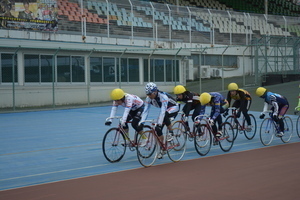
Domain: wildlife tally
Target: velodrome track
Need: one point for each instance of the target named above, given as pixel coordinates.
(56, 154)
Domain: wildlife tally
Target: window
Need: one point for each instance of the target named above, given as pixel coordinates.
(63, 69)
(7, 63)
(109, 69)
(77, 69)
(70, 69)
(31, 65)
(133, 70)
(161, 70)
(96, 69)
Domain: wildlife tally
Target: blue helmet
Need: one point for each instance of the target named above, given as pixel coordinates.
(150, 88)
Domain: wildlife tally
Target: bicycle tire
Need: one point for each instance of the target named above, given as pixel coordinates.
(113, 145)
(203, 140)
(147, 153)
(230, 119)
(227, 139)
(250, 134)
(288, 129)
(179, 125)
(298, 126)
(267, 131)
(177, 147)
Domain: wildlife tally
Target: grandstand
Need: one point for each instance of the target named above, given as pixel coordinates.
(93, 44)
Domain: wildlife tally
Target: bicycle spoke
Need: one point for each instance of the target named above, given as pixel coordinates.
(147, 148)
(288, 129)
(177, 147)
(267, 130)
(114, 145)
(250, 133)
(227, 139)
(203, 140)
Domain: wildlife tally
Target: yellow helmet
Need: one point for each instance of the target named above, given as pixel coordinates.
(233, 86)
(260, 91)
(117, 94)
(179, 89)
(205, 98)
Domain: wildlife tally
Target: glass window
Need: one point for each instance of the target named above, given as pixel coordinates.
(96, 69)
(148, 70)
(46, 68)
(6, 68)
(63, 69)
(109, 69)
(32, 69)
(170, 71)
(133, 70)
(159, 70)
(78, 69)
(124, 70)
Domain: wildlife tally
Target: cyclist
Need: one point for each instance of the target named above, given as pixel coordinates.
(134, 106)
(191, 100)
(218, 105)
(242, 102)
(168, 109)
(279, 106)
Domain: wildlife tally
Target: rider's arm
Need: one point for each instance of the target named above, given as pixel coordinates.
(146, 109)
(164, 105)
(128, 105)
(113, 110)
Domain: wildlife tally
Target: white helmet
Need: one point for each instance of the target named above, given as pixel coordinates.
(150, 88)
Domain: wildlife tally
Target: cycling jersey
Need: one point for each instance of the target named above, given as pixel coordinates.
(191, 99)
(131, 102)
(240, 95)
(164, 101)
(277, 102)
(217, 101)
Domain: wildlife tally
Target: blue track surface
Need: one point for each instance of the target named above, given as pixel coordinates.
(49, 146)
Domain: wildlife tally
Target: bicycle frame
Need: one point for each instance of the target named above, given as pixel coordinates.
(131, 143)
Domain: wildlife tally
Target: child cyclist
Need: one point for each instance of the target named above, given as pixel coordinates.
(134, 106)
(279, 106)
(218, 105)
(242, 102)
(191, 100)
(168, 108)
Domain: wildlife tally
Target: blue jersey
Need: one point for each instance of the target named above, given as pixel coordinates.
(272, 98)
(217, 101)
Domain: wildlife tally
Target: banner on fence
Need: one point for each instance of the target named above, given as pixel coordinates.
(32, 14)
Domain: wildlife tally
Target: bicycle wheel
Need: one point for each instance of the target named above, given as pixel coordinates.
(267, 130)
(230, 119)
(298, 126)
(113, 145)
(177, 147)
(288, 129)
(250, 133)
(180, 127)
(203, 139)
(147, 148)
(227, 139)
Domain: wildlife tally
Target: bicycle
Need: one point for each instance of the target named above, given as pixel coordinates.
(202, 141)
(116, 141)
(240, 125)
(225, 141)
(269, 128)
(297, 121)
(148, 153)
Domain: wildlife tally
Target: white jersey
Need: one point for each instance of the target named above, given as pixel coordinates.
(132, 102)
(163, 101)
